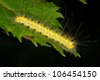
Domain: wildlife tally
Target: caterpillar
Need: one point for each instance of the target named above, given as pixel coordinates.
(68, 44)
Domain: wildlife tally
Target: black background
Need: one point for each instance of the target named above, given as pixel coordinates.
(14, 53)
